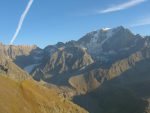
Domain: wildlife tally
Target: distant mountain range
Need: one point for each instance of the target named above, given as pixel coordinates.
(108, 69)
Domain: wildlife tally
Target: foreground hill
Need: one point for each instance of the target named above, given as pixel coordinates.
(29, 96)
(11, 70)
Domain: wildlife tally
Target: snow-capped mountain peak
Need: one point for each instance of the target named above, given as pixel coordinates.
(105, 29)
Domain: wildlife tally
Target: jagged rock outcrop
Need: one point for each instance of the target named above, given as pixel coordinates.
(63, 62)
(128, 92)
(89, 80)
(22, 55)
(67, 60)
(14, 51)
(111, 44)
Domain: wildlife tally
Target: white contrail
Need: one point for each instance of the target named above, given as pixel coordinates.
(21, 21)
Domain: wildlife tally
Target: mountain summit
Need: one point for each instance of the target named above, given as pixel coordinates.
(107, 68)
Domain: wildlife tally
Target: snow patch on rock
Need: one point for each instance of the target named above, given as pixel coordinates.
(108, 35)
(98, 39)
(106, 29)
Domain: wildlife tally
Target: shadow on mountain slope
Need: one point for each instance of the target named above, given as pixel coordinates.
(32, 58)
(127, 93)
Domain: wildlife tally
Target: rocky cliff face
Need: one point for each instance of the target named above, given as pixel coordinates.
(22, 55)
(14, 51)
(68, 60)
(106, 44)
(92, 78)
(63, 63)
(128, 92)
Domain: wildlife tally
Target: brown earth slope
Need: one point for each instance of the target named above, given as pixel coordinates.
(11, 70)
(31, 97)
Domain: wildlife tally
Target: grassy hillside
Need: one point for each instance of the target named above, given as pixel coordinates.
(29, 96)
(11, 70)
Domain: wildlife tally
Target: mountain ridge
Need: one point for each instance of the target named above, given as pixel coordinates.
(103, 62)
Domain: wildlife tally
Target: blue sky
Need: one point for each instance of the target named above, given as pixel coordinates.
(51, 21)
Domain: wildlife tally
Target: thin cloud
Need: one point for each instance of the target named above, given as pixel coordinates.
(142, 22)
(122, 6)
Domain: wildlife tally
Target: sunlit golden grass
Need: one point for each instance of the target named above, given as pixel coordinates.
(31, 97)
